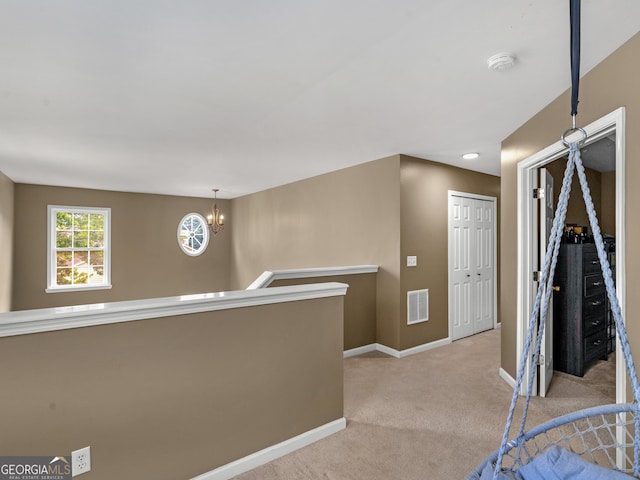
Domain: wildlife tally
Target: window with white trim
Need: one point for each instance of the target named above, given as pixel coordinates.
(78, 248)
(193, 234)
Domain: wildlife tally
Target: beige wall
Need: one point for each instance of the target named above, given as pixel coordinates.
(174, 397)
(146, 260)
(374, 213)
(348, 217)
(353, 216)
(424, 233)
(610, 85)
(6, 241)
(359, 305)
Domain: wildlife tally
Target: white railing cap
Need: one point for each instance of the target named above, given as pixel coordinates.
(269, 276)
(76, 316)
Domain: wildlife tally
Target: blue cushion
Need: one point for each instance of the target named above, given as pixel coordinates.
(559, 464)
(487, 474)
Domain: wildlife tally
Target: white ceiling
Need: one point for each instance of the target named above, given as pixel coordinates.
(178, 97)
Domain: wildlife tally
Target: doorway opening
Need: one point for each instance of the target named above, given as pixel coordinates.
(606, 129)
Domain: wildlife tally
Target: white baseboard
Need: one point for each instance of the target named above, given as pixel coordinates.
(424, 347)
(268, 454)
(507, 378)
(388, 350)
(359, 350)
(393, 352)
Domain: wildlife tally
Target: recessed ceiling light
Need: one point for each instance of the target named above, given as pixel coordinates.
(501, 61)
(470, 156)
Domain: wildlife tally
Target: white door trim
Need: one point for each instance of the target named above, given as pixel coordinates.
(614, 121)
(494, 200)
(545, 214)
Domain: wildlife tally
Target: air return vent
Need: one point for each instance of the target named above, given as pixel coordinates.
(417, 306)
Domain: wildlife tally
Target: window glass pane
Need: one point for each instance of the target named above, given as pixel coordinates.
(95, 276)
(81, 259)
(64, 239)
(81, 240)
(98, 273)
(80, 275)
(96, 239)
(63, 221)
(80, 221)
(63, 259)
(96, 258)
(64, 276)
(96, 221)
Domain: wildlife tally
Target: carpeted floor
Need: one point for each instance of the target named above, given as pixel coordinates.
(433, 415)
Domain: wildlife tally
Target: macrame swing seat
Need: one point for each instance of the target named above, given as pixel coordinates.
(596, 443)
(601, 442)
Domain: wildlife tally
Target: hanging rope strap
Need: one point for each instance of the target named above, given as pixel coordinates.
(574, 13)
(539, 312)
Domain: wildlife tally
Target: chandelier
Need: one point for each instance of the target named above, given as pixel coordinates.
(215, 219)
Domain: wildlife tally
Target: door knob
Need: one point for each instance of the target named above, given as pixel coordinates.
(556, 288)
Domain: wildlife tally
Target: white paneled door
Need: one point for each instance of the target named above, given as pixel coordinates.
(471, 265)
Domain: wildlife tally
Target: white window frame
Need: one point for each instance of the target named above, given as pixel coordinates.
(52, 210)
(205, 233)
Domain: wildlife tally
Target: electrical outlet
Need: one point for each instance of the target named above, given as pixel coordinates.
(80, 461)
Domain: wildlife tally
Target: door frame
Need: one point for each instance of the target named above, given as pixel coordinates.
(546, 182)
(526, 169)
(494, 200)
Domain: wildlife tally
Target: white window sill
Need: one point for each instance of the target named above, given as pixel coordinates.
(77, 288)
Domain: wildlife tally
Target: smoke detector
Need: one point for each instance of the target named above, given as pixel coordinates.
(501, 61)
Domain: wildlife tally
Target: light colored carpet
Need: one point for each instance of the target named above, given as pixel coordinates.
(433, 415)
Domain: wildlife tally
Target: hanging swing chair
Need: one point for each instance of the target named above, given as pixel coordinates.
(596, 443)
